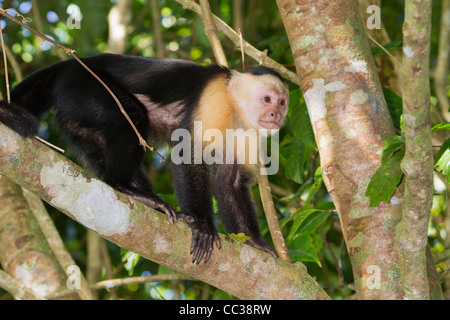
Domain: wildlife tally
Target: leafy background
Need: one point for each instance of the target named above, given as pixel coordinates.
(306, 212)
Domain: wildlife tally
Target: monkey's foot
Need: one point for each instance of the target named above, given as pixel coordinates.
(203, 239)
(263, 246)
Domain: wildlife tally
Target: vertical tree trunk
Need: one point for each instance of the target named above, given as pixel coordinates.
(119, 19)
(418, 161)
(350, 121)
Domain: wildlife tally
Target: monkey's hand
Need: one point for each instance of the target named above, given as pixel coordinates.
(262, 245)
(203, 237)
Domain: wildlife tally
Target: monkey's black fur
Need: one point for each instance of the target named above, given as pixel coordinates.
(159, 95)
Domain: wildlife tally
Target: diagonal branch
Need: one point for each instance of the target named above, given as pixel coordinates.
(257, 55)
(238, 269)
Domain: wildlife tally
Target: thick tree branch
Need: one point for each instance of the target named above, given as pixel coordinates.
(238, 269)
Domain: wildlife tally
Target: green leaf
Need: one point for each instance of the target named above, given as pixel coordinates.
(313, 222)
(441, 126)
(295, 161)
(131, 259)
(393, 45)
(390, 146)
(395, 106)
(385, 180)
(318, 180)
(241, 237)
(299, 121)
(299, 217)
(302, 249)
(442, 160)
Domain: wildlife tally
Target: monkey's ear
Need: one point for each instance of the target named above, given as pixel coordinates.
(235, 78)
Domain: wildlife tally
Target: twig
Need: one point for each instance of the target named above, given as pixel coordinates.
(71, 52)
(157, 28)
(211, 33)
(335, 260)
(17, 288)
(384, 49)
(260, 57)
(242, 48)
(107, 284)
(49, 144)
(8, 95)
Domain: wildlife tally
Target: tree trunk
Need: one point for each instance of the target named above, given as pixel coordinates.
(418, 161)
(350, 121)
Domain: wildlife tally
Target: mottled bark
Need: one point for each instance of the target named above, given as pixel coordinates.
(418, 161)
(24, 252)
(350, 119)
(238, 269)
(389, 70)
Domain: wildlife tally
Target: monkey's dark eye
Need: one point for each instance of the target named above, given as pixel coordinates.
(282, 102)
(266, 99)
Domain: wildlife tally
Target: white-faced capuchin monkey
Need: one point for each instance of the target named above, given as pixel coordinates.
(159, 95)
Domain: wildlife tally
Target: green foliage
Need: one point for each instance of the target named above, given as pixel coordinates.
(241, 237)
(304, 206)
(388, 176)
(393, 45)
(441, 126)
(395, 106)
(442, 160)
(130, 260)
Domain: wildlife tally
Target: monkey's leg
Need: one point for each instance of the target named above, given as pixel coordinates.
(192, 185)
(232, 191)
(123, 172)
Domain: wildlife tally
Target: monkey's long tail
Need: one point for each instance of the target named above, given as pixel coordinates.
(18, 119)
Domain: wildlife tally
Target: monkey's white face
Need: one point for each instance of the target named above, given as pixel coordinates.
(263, 100)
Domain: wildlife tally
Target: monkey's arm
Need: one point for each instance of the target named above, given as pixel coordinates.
(192, 185)
(232, 190)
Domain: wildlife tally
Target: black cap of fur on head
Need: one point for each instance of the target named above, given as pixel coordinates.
(262, 70)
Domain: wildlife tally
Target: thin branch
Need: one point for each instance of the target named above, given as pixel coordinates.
(336, 262)
(442, 67)
(211, 32)
(15, 66)
(17, 288)
(8, 95)
(157, 29)
(260, 57)
(107, 284)
(54, 240)
(411, 232)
